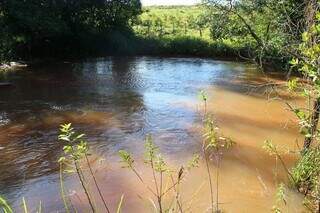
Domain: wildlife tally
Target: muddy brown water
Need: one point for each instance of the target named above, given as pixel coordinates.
(117, 102)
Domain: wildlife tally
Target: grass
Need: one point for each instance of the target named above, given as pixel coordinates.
(188, 46)
(173, 21)
(180, 31)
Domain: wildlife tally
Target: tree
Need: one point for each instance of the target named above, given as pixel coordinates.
(35, 24)
(201, 22)
(267, 25)
(159, 26)
(308, 61)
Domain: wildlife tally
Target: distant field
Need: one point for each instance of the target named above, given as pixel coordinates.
(173, 21)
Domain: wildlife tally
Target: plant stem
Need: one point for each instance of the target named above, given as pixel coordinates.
(160, 193)
(120, 204)
(96, 184)
(62, 189)
(154, 177)
(40, 207)
(205, 107)
(141, 180)
(156, 185)
(210, 181)
(171, 187)
(24, 205)
(84, 186)
(177, 192)
(314, 124)
(217, 181)
(285, 167)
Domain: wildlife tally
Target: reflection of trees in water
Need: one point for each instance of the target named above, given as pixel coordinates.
(124, 73)
(30, 146)
(247, 78)
(126, 84)
(97, 85)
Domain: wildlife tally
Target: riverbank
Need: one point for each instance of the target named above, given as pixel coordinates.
(12, 65)
(124, 44)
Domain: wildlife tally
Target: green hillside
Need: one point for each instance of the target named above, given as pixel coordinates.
(171, 21)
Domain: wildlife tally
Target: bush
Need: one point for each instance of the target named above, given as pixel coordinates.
(306, 176)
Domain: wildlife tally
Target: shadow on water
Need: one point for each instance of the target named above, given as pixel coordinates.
(117, 101)
(90, 95)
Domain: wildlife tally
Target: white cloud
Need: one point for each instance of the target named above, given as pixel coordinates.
(169, 2)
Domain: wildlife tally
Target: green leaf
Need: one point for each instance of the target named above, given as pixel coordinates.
(318, 16)
(194, 162)
(305, 36)
(79, 136)
(203, 96)
(5, 206)
(126, 158)
(294, 61)
(61, 159)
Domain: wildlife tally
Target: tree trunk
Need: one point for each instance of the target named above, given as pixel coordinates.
(310, 13)
(251, 31)
(185, 28)
(314, 124)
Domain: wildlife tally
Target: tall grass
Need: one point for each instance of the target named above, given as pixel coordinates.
(212, 146)
(160, 170)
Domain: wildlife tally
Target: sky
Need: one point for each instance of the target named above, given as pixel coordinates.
(169, 2)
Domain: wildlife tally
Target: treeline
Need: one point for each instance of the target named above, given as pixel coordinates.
(264, 31)
(50, 28)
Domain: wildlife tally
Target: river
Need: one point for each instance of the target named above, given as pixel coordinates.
(117, 101)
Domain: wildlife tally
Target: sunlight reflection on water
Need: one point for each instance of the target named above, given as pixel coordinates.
(116, 102)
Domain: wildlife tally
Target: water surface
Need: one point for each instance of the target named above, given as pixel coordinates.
(117, 102)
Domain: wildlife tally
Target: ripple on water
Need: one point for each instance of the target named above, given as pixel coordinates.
(116, 102)
(4, 119)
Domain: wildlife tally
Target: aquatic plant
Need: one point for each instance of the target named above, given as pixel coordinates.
(274, 150)
(62, 189)
(76, 149)
(6, 208)
(280, 198)
(160, 169)
(306, 176)
(212, 145)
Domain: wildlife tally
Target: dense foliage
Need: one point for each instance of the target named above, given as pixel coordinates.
(306, 173)
(182, 30)
(270, 28)
(48, 27)
(265, 31)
